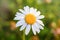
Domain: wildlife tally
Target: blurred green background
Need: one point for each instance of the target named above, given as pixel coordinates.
(49, 8)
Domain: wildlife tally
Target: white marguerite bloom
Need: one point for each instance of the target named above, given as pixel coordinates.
(29, 18)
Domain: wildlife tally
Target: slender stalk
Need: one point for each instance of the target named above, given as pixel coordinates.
(23, 34)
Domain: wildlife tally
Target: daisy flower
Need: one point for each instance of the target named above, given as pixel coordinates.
(29, 18)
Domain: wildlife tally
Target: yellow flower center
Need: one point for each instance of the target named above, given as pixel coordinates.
(30, 19)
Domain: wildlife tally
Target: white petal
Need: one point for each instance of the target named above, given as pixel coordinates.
(19, 23)
(31, 10)
(19, 18)
(26, 9)
(33, 30)
(18, 14)
(40, 27)
(36, 25)
(34, 11)
(23, 26)
(36, 28)
(40, 22)
(22, 11)
(38, 13)
(38, 31)
(40, 17)
(27, 29)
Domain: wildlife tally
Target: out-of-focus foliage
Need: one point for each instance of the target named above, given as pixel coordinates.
(49, 8)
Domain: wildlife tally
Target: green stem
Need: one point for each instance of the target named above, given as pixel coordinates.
(23, 34)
